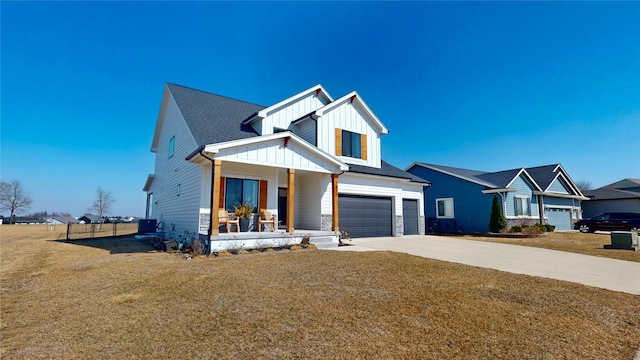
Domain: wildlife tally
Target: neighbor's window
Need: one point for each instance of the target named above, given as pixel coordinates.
(178, 190)
(172, 144)
(522, 205)
(444, 208)
(241, 191)
(351, 144)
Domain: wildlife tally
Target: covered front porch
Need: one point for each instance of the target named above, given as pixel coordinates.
(280, 174)
(278, 238)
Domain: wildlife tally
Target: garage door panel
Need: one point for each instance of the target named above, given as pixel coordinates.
(365, 216)
(560, 218)
(410, 216)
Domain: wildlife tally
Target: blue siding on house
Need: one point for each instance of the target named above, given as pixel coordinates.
(471, 208)
(559, 187)
(557, 201)
(523, 189)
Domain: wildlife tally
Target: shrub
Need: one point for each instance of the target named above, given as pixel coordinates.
(532, 230)
(497, 221)
(550, 228)
(515, 229)
(540, 227)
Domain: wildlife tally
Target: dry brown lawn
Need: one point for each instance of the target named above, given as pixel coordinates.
(587, 244)
(113, 298)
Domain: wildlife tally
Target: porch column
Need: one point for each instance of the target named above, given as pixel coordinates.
(291, 174)
(216, 168)
(146, 212)
(334, 203)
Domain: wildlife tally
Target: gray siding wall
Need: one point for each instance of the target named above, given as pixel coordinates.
(471, 208)
(592, 208)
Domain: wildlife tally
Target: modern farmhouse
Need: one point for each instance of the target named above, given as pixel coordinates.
(312, 161)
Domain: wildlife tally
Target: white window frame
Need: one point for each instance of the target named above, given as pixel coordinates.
(528, 204)
(452, 208)
(172, 146)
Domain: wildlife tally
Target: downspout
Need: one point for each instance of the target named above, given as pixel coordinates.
(213, 169)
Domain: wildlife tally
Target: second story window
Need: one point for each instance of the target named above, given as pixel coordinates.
(351, 144)
(172, 144)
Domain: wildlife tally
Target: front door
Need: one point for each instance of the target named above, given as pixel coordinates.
(282, 206)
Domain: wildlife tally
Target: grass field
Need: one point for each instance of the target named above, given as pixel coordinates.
(587, 244)
(113, 298)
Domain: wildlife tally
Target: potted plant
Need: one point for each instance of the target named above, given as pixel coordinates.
(244, 212)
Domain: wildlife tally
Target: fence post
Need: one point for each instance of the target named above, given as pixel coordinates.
(68, 229)
(114, 228)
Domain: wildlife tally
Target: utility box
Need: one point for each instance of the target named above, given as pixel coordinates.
(624, 240)
(147, 225)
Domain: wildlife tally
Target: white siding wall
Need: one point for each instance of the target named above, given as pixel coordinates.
(283, 116)
(308, 197)
(307, 131)
(348, 116)
(169, 172)
(274, 153)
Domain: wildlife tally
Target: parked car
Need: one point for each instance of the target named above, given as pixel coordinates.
(610, 222)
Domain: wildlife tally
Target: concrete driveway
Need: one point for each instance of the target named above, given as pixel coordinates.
(617, 275)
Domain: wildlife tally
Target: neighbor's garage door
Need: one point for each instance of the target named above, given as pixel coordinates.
(365, 216)
(560, 218)
(410, 216)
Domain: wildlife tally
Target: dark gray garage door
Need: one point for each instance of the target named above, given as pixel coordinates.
(365, 216)
(410, 216)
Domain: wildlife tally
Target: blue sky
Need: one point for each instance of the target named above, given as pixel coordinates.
(480, 85)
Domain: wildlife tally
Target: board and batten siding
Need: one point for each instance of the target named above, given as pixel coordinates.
(348, 116)
(284, 115)
(168, 207)
(471, 208)
(274, 153)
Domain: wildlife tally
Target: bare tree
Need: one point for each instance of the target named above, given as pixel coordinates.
(103, 202)
(14, 198)
(583, 185)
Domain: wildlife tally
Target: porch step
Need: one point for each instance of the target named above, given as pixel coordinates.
(325, 242)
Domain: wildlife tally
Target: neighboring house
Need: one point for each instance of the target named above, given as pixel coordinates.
(621, 196)
(63, 220)
(312, 160)
(90, 219)
(23, 220)
(459, 200)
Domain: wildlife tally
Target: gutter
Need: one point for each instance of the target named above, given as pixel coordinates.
(213, 169)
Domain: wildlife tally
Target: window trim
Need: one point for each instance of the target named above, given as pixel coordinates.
(226, 189)
(354, 140)
(515, 206)
(453, 213)
(172, 146)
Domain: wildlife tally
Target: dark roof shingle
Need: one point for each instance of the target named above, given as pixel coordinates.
(213, 118)
(387, 170)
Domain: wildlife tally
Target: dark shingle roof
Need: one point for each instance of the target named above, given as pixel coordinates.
(543, 175)
(611, 194)
(623, 189)
(499, 178)
(387, 170)
(213, 118)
